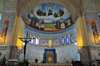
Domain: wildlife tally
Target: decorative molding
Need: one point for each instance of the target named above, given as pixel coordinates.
(43, 42)
(29, 28)
(56, 42)
(9, 11)
(97, 46)
(89, 12)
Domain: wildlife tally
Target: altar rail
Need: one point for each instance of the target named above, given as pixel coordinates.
(50, 64)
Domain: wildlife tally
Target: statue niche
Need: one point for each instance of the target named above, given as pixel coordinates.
(95, 31)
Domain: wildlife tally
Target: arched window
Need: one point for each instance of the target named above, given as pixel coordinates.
(0, 15)
(62, 41)
(37, 40)
(33, 39)
(67, 40)
(99, 16)
(71, 38)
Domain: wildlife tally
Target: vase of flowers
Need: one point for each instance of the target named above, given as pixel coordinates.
(36, 60)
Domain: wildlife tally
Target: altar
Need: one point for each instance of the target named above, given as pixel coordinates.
(50, 55)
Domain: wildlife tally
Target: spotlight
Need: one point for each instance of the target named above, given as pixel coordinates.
(23, 43)
(75, 43)
(99, 37)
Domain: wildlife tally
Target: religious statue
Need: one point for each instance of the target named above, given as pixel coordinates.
(25, 40)
(50, 43)
(94, 29)
(37, 40)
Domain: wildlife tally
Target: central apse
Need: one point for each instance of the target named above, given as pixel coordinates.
(49, 17)
(52, 22)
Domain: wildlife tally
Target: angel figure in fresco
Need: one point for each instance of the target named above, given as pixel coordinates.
(39, 12)
(37, 24)
(62, 24)
(42, 26)
(50, 11)
(29, 21)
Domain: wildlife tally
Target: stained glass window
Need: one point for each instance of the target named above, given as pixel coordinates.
(67, 40)
(62, 40)
(99, 16)
(0, 15)
(37, 40)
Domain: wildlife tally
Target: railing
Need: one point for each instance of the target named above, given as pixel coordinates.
(50, 64)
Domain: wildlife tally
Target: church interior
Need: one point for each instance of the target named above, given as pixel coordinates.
(49, 32)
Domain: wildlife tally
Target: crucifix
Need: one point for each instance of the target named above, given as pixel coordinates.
(25, 40)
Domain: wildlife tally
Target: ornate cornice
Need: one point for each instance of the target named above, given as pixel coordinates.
(9, 11)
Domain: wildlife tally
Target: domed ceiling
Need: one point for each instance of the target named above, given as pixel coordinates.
(49, 17)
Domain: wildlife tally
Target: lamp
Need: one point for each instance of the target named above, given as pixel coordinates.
(0, 39)
(23, 43)
(99, 37)
(75, 43)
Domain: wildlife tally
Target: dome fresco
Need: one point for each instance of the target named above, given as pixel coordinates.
(49, 17)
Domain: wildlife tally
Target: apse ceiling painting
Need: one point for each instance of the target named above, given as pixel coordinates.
(49, 17)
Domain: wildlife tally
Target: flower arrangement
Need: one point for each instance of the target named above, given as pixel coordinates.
(36, 60)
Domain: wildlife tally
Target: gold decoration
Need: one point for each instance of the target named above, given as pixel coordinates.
(43, 42)
(49, 26)
(56, 42)
(49, 58)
